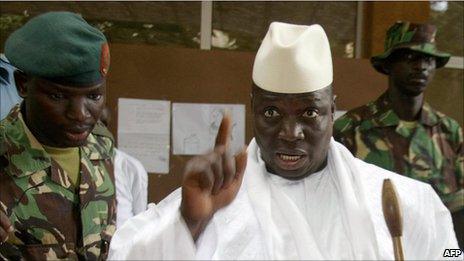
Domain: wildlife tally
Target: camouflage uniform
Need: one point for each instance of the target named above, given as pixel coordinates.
(433, 152)
(52, 218)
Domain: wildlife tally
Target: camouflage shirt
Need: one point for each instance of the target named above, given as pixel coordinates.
(432, 152)
(52, 218)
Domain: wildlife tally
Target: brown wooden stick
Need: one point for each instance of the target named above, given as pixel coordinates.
(398, 248)
(393, 218)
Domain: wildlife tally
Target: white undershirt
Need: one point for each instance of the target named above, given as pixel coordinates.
(316, 198)
(296, 190)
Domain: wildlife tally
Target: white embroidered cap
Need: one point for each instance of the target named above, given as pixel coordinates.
(293, 59)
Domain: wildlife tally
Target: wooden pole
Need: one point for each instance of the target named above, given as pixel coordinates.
(393, 218)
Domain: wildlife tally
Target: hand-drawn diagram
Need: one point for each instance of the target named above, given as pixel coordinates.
(215, 121)
(191, 144)
(195, 126)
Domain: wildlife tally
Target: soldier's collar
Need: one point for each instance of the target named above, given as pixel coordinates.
(25, 153)
(429, 116)
(95, 148)
(386, 116)
(381, 114)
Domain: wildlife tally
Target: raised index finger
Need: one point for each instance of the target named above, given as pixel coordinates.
(223, 134)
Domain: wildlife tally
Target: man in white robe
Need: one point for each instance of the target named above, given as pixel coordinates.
(295, 193)
(131, 181)
(131, 186)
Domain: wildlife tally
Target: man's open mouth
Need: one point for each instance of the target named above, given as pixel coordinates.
(290, 158)
(290, 161)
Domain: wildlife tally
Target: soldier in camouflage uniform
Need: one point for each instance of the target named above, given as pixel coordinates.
(55, 205)
(401, 132)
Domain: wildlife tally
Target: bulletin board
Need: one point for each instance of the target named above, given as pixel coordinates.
(197, 76)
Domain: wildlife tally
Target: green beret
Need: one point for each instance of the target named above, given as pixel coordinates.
(61, 47)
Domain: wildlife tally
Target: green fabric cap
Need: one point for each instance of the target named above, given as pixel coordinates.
(61, 47)
(416, 37)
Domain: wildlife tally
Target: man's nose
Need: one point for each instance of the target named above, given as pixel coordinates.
(77, 111)
(422, 65)
(291, 130)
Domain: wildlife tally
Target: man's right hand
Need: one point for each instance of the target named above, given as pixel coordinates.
(5, 227)
(211, 181)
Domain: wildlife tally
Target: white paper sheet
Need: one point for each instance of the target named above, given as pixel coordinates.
(195, 126)
(144, 130)
(338, 114)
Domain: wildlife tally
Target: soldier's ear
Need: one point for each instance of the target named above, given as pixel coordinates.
(386, 67)
(387, 64)
(20, 81)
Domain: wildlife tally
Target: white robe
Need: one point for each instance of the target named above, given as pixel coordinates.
(342, 219)
(131, 186)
